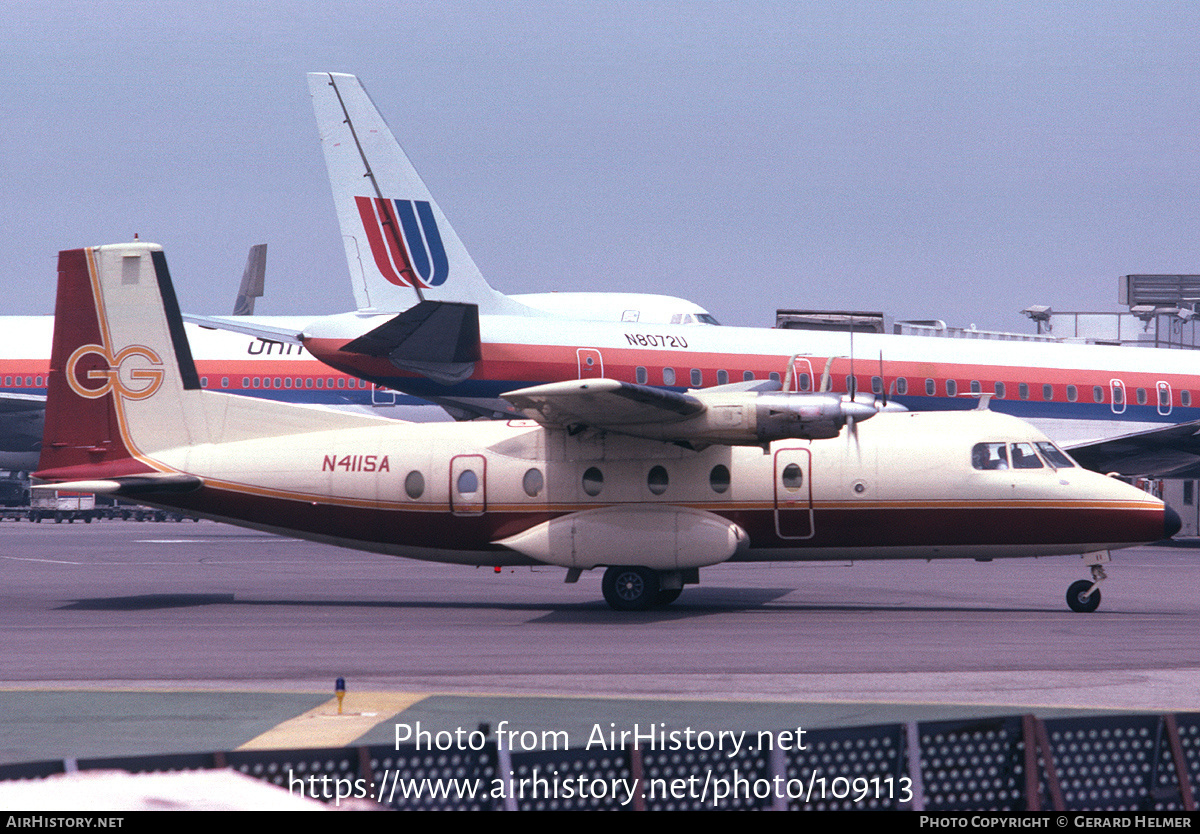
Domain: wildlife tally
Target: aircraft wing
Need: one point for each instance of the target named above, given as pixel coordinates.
(1171, 452)
(238, 324)
(730, 415)
(602, 404)
(15, 403)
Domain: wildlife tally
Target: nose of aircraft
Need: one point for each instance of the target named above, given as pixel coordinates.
(1172, 523)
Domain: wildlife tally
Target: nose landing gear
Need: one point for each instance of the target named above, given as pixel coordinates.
(1084, 596)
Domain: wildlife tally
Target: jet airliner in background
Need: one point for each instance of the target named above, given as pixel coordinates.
(127, 415)
(430, 325)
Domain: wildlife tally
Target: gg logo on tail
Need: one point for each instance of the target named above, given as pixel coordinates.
(143, 381)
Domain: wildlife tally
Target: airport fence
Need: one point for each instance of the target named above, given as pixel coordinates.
(1140, 763)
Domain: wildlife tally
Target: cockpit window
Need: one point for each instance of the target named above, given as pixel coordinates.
(1055, 456)
(693, 318)
(1024, 457)
(990, 456)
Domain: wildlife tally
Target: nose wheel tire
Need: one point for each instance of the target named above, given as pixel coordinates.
(630, 588)
(1076, 599)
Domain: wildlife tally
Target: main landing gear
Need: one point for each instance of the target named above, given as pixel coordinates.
(634, 588)
(1084, 596)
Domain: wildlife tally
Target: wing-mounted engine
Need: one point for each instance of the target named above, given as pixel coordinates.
(730, 415)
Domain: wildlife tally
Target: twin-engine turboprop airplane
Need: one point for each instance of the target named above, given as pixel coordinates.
(651, 486)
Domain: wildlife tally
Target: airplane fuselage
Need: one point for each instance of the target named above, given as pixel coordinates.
(1073, 392)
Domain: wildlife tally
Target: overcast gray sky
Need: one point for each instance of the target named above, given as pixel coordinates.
(953, 160)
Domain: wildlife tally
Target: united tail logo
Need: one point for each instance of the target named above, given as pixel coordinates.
(405, 241)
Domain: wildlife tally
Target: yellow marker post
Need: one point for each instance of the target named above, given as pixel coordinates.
(340, 689)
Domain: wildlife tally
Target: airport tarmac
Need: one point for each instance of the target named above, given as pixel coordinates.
(124, 639)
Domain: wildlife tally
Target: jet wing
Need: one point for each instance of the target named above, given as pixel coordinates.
(1171, 452)
(16, 403)
(602, 404)
(238, 324)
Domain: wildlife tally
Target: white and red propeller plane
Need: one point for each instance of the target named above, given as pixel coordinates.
(650, 485)
(429, 324)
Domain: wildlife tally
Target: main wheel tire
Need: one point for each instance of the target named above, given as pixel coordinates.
(630, 588)
(1076, 600)
(667, 595)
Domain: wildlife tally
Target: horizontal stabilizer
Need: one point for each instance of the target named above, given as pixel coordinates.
(432, 331)
(130, 485)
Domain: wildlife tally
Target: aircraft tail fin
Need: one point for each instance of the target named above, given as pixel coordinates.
(400, 248)
(124, 397)
(253, 280)
(111, 350)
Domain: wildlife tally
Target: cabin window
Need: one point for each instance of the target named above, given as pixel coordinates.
(901, 385)
(722, 377)
(8, 381)
(668, 376)
(39, 382)
(747, 376)
(1024, 457)
(593, 481)
(1141, 396)
(851, 385)
(805, 382)
(308, 383)
(203, 382)
(951, 388)
(793, 477)
(640, 375)
(1047, 392)
(774, 376)
(279, 383)
(414, 485)
(1185, 398)
(876, 385)
(999, 387)
(697, 378)
(1023, 390)
(224, 382)
(1164, 397)
(533, 482)
(257, 382)
(988, 456)
(930, 387)
(976, 388)
(1055, 456)
(341, 382)
(468, 482)
(287, 382)
(1097, 393)
(718, 479)
(320, 382)
(1118, 394)
(1072, 393)
(658, 480)
(245, 382)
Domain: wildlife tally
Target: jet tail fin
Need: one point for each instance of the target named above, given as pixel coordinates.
(253, 280)
(400, 248)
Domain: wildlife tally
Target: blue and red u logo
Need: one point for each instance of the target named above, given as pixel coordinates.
(405, 241)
